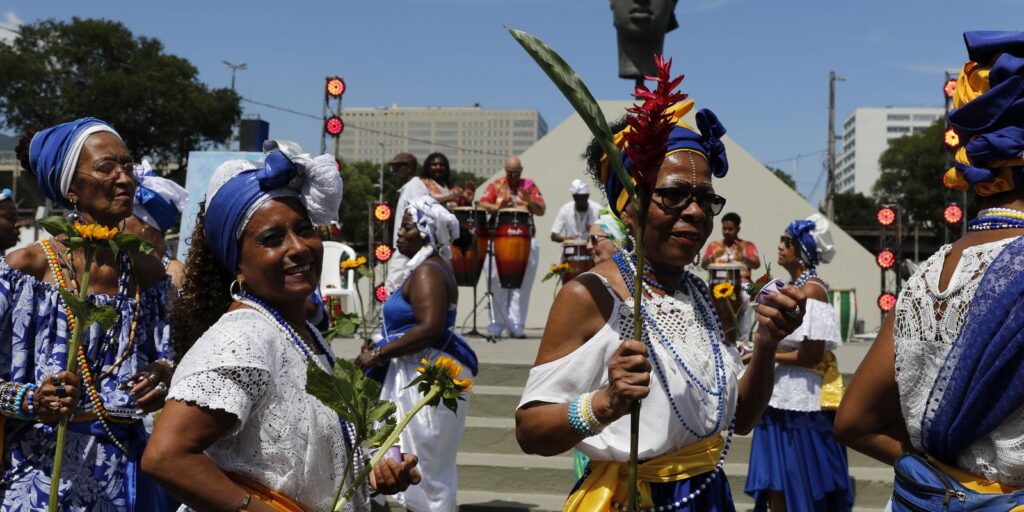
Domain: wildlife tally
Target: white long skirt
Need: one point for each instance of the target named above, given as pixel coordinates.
(433, 435)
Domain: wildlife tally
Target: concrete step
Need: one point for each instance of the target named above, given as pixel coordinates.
(506, 478)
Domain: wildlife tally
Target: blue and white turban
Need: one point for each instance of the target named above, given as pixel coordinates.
(813, 239)
(158, 201)
(238, 188)
(53, 155)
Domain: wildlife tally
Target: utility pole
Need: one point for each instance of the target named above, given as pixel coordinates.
(830, 190)
(234, 69)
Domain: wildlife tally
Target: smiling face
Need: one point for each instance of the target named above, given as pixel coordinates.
(281, 254)
(409, 239)
(674, 237)
(103, 186)
(437, 168)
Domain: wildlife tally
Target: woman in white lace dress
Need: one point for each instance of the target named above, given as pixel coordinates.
(589, 372)
(795, 462)
(239, 432)
(942, 381)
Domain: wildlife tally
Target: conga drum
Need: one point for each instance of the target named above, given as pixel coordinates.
(729, 309)
(470, 249)
(575, 253)
(512, 238)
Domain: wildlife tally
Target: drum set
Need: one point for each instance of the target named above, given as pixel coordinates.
(506, 236)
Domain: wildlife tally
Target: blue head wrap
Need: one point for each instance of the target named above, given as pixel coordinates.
(708, 142)
(53, 155)
(813, 239)
(989, 114)
(6, 195)
(158, 200)
(238, 189)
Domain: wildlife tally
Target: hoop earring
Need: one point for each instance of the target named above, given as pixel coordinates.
(696, 260)
(74, 214)
(240, 285)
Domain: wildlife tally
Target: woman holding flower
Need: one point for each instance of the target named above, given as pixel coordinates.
(590, 370)
(795, 462)
(419, 325)
(82, 165)
(239, 431)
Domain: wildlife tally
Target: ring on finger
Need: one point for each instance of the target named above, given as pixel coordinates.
(161, 388)
(793, 313)
(55, 380)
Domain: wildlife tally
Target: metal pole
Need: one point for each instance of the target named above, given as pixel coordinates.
(830, 191)
(323, 119)
(234, 69)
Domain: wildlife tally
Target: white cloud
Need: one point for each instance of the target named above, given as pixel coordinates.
(10, 22)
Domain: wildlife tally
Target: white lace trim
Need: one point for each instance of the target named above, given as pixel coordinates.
(927, 323)
(286, 439)
(798, 388)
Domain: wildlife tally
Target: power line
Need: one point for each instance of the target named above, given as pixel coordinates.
(797, 157)
(371, 130)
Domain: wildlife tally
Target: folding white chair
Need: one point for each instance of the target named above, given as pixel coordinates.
(332, 283)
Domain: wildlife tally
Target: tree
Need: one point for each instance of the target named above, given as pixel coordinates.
(854, 210)
(55, 71)
(784, 176)
(911, 176)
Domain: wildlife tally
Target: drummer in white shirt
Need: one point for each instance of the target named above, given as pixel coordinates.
(574, 218)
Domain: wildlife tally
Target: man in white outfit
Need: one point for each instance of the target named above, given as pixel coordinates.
(574, 218)
(403, 168)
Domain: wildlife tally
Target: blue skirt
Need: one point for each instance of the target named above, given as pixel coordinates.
(715, 497)
(796, 454)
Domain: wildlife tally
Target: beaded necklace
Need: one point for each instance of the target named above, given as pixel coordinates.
(806, 275)
(997, 218)
(268, 312)
(90, 385)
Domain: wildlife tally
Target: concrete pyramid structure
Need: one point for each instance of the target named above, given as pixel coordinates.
(764, 202)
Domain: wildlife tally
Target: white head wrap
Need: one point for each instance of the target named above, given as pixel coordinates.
(822, 235)
(438, 228)
(578, 187)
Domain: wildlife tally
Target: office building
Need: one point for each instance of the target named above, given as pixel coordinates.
(866, 134)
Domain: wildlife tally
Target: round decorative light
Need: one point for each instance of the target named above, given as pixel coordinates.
(382, 252)
(335, 86)
(380, 293)
(953, 214)
(885, 259)
(950, 87)
(886, 301)
(334, 126)
(886, 216)
(951, 139)
(381, 212)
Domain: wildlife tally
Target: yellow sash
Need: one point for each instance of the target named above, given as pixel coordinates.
(607, 479)
(274, 499)
(831, 382)
(973, 482)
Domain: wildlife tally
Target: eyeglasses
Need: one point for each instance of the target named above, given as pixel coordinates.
(679, 198)
(596, 239)
(401, 166)
(109, 168)
(787, 241)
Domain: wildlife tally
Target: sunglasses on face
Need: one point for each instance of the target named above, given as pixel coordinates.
(678, 198)
(787, 241)
(596, 239)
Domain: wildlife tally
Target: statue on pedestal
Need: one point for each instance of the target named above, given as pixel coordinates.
(640, 26)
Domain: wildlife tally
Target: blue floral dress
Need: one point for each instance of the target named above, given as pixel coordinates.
(96, 475)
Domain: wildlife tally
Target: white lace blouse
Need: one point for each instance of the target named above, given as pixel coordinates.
(661, 431)
(285, 439)
(927, 323)
(798, 388)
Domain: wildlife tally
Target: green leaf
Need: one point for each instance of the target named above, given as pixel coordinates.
(381, 411)
(548, 276)
(451, 403)
(381, 434)
(73, 242)
(113, 245)
(78, 307)
(579, 96)
(105, 316)
(364, 271)
(57, 225)
(330, 390)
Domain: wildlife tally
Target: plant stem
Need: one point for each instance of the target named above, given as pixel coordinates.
(362, 315)
(348, 470)
(71, 366)
(383, 449)
(644, 199)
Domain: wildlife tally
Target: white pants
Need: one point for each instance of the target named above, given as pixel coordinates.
(396, 265)
(510, 305)
(433, 435)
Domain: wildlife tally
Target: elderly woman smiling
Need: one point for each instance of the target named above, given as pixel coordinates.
(239, 431)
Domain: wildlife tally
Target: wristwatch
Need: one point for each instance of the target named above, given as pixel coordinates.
(375, 355)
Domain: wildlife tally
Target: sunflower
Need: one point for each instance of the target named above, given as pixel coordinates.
(353, 264)
(723, 290)
(95, 231)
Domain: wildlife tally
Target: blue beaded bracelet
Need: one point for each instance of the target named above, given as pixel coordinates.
(19, 400)
(578, 418)
(30, 403)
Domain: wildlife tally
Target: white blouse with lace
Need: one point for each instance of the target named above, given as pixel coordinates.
(285, 438)
(798, 388)
(661, 432)
(927, 323)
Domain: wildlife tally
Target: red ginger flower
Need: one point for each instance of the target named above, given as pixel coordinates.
(650, 124)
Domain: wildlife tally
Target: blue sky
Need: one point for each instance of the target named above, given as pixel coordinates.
(761, 65)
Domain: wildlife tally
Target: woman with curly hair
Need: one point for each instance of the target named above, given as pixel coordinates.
(239, 431)
(82, 165)
(436, 176)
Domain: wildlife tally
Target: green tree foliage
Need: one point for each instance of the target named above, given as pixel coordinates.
(911, 176)
(784, 176)
(56, 71)
(855, 210)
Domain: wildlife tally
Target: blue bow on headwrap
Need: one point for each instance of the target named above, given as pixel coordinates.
(989, 114)
(707, 142)
(800, 230)
(54, 152)
(238, 189)
(158, 200)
